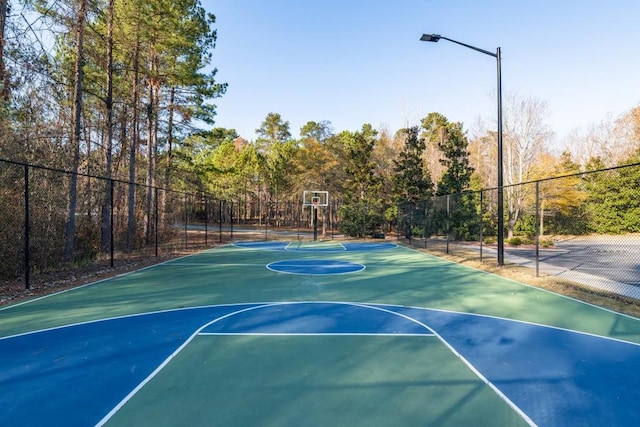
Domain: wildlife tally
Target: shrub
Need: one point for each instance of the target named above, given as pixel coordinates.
(490, 240)
(546, 243)
(514, 241)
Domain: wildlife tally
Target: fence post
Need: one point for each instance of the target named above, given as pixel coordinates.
(111, 243)
(156, 221)
(206, 221)
(537, 228)
(27, 229)
(231, 220)
(448, 219)
(231, 223)
(481, 224)
(186, 221)
(220, 220)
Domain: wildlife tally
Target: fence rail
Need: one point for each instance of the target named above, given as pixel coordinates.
(115, 220)
(582, 227)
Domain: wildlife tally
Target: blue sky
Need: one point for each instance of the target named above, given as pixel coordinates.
(354, 61)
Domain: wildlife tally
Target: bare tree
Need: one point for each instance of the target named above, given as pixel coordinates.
(597, 140)
(525, 134)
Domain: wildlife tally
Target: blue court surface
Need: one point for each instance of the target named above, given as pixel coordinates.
(205, 340)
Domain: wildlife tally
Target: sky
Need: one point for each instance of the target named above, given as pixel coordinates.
(352, 62)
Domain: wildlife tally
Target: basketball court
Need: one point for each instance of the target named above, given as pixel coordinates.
(316, 333)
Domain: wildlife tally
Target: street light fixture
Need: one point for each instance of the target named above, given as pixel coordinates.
(434, 38)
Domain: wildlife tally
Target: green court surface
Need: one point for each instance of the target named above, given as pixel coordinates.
(224, 338)
(332, 380)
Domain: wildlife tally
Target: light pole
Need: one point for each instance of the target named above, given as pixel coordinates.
(435, 38)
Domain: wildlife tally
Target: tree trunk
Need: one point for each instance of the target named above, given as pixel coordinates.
(152, 149)
(131, 215)
(77, 128)
(105, 236)
(4, 77)
(167, 171)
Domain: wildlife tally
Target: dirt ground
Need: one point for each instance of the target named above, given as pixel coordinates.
(43, 284)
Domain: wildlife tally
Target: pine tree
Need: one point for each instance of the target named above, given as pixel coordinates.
(412, 184)
(362, 212)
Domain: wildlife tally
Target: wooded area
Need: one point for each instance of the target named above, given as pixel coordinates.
(123, 90)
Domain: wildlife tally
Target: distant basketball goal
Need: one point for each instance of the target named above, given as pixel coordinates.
(315, 198)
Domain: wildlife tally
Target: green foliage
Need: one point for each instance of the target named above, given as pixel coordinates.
(363, 209)
(363, 184)
(514, 241)
(319, 131)
(546, 243)
(273, 129)
(411, 182)
(490, 240)
(614, 200)
(360, 220)
(454, 147)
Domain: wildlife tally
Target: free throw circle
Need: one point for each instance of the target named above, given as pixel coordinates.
(315, 266)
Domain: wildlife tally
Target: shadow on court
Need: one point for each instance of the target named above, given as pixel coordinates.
(220, 339)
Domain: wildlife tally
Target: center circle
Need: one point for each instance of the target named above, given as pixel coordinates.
(315, 266)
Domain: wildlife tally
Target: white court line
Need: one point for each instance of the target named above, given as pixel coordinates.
(469, 365)
(165, 362)
(379, 307)
(96, 282)
(310, 334)
(215, 264)
(526, 285)
(524, 322)
(199, 332)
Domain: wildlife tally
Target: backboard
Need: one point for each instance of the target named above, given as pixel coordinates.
(315, 198)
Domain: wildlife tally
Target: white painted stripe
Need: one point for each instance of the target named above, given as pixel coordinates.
(312, 334)
(540, 325)
(163, 364)
(526, 285)
(7, 307)
(474, 370)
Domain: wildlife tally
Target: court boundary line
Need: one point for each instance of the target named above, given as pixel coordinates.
(159, 368)
(175, 353)
(473, 369)
(373, 306)
(508, 319)
(198, 332)
(397, 245)
(148, 267)
(363, 304)
(311, 334)
(522, 283)
(127, 316)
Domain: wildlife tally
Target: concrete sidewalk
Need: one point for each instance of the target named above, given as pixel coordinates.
(592, 281)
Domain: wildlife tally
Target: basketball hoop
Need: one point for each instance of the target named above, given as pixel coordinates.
(315, 198)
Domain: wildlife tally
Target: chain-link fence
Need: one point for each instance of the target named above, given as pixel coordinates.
(583, 227)
(116, 220)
